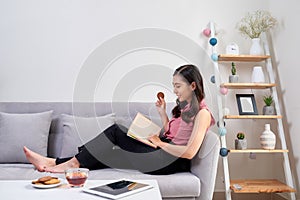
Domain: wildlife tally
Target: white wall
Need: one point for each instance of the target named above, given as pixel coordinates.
(44, 46)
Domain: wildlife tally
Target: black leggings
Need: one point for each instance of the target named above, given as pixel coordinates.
(114, 149)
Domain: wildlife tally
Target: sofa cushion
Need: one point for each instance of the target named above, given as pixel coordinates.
(18, 130)
(79, 130)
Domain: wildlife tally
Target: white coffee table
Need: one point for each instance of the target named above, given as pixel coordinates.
(20, 189)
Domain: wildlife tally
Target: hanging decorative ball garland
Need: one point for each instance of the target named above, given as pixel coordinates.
(213, 79)
(223, 90)
(222, 131)
(218, 123)
(224, 152)
(213, 41)
(214, 56)
(226, 111)
(207, 32)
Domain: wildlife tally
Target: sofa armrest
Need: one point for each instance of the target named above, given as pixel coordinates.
(205, 164)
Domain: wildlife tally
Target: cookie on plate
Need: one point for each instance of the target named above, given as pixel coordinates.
(46, 180)
(52, 181)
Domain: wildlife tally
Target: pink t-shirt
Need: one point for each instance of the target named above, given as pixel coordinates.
(179, 131)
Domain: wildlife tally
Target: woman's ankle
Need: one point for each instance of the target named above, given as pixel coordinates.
(74, 163)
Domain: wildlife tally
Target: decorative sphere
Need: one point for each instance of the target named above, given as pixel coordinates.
(213, 41)
(214, 57)
(206, 32)
(223, 90)
(226, 111)
(213, 79)
(224, 152)
(222, 131)
(219, 124)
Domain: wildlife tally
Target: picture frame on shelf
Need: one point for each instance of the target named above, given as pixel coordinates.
(246, 104)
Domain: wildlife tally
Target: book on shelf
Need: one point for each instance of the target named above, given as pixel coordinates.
(142, 128)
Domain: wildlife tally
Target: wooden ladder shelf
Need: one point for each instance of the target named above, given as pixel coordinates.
(258, 185)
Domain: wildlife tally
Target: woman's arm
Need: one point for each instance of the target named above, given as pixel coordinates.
(201, 124)
(161, 108)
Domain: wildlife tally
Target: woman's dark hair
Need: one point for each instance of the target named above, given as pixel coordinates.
(189, 73)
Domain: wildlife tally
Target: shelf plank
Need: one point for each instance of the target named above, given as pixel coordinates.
(260, 186)
(243, 58)
(248, 85)
(252, 117)
(259, 151)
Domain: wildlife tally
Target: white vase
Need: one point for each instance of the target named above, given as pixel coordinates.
(267, 138)
(257, 75)
(255, 48)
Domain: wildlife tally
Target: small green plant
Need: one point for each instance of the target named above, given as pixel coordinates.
(268, 99)
(240, 136)
(233, 68)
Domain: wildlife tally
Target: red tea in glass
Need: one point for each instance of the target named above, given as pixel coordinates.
(76, 177)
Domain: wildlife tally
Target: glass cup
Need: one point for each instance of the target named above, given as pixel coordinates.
(76, 177)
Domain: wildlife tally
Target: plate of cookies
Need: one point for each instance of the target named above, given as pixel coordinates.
(46, 182)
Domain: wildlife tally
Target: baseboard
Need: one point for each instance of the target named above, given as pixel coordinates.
(262, 196)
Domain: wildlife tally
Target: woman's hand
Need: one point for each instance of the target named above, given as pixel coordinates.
(161, 105)
(155, 140)
(161, 109)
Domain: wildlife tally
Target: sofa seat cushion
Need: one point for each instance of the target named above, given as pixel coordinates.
(18, 172)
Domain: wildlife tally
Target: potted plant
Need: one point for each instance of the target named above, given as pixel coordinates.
(253, 24)
(233, 78)
(240, 142)
(268, 109)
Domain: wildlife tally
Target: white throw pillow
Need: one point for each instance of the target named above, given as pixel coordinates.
(18, 130)
(79, 130)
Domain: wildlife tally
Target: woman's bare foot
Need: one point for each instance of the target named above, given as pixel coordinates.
(72, 163)
(40, 162)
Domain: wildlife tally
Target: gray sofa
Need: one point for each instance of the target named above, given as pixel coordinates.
(199, 184)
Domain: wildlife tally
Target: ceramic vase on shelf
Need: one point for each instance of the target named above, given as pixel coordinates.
(268, 138)
(256, 48)
(233, 78)
(257, 75)
(240, 144)
(269, 110)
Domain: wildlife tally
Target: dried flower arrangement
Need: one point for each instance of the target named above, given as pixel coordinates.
(253, 24)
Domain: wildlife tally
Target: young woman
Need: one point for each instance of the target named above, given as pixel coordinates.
(179, 143)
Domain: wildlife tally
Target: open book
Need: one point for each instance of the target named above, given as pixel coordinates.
(142, 128)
